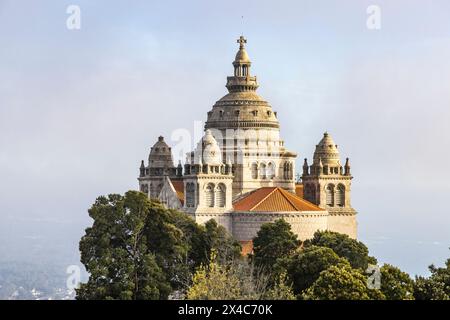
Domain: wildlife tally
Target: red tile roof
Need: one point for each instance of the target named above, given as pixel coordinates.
(273, 199)
(179, 188)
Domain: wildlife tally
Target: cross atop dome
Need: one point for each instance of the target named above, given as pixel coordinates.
(241, 42)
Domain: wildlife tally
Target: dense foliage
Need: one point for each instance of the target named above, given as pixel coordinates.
(138, 249)
(236, 280)
(304, 266)
(353, 250)
(273, 241)
(436, 287)
(341, 282)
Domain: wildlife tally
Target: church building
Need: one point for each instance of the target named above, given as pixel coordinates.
(242, 175)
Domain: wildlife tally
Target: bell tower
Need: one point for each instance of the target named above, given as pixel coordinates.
(328, 184)
(208, 183)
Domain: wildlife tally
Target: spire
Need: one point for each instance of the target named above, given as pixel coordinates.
(142, 169)
(179, 169)
(347, 167)
(305, 167)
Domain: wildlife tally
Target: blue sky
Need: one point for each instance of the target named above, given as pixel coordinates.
(80, 109)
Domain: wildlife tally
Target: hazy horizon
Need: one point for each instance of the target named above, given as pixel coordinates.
(79, 109)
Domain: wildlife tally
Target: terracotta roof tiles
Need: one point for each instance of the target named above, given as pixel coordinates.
(273, 199)
(179, 188)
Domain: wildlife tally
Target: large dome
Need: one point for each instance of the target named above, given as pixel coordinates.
(160, 155)
(327, 151)
(242, 107)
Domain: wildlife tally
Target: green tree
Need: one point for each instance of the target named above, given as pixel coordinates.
(429, 289)
(281, 290)
(217, 239)
(138, 249)
(236, 280)
(214, 282)
(353, 250)
(436, 286)
(396, 284)
(304, 266)
(341, 282)
(115, 251)
(273, 241)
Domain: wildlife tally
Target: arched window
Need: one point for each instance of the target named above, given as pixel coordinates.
(291, 171)
(209, 195)
(220, 195)
(190, 195)
(288, 170)
(255, 171)
(151, 190)
(310, 193)
(270, 170)
(262, 171)
(329, 191)
(340, 195)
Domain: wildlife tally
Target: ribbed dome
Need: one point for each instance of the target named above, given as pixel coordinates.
(242, 107)
(327, 151)
(160, 155)
(242, 96)
(208, 150)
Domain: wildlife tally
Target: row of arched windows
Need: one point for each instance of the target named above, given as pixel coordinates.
(152, 190)
(215, 195)
(267, 171)
(263, 171)
(335, 196)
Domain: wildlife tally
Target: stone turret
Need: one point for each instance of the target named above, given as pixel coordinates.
(160, 165)
(208, 183)
(328, 185)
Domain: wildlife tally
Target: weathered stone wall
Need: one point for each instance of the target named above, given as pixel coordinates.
(223, 219)
(246, 225)
(343, 223)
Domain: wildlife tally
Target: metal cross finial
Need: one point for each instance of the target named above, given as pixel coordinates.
(241, 42)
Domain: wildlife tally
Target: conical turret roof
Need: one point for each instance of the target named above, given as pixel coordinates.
(327, 151)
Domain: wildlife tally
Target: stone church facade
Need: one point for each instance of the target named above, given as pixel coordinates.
(242, 175)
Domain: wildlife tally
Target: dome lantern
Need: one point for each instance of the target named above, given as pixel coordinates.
(242, 80)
